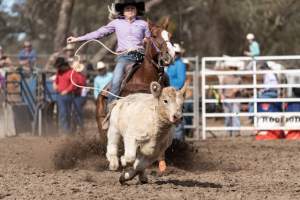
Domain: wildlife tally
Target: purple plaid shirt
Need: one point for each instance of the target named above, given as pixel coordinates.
(129, 35)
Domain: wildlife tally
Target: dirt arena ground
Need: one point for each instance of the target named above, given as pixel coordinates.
(232, 168)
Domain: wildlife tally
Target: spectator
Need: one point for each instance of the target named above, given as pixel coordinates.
(4, 63)
(188, 106)
(69, 52)
(4, 60)
(79, 98)
(27, 57)
(88, 68)
(293, 121)
(232, 108)
(253, 48)
(102, 79)
(66, 92)
(177, 77)
(270, 79)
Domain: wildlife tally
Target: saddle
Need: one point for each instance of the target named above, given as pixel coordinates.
(129, 72)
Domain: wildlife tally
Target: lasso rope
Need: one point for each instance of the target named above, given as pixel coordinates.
(77, 56)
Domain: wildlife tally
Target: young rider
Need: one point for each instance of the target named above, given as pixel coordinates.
(131, 31)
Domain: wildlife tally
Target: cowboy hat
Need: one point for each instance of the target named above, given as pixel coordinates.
(69, 46)
(60, 62)
(121, 4)
(185, 61)
(177, 48)
(100, 65)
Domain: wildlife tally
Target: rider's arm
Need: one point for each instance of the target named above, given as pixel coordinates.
(147, 31)
(101, 32)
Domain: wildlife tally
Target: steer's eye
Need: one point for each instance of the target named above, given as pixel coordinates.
(165, 101)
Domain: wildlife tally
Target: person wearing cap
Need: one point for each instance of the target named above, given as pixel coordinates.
(66, 92)
(69, 51)
(270, 79)
(177, 70)
(253, 49)
(27, 57)
(4, 63)
(130, 30)
(177, 76)
(102, 79)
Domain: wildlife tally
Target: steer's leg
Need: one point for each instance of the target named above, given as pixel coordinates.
(139, 166)
(143, 177)
(113, 138)
(130, 147)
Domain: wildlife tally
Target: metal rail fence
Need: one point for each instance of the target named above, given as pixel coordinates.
(254, 86)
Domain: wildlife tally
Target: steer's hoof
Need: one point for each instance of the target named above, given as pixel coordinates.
(143, 180)
(113, 164)
(122, 179)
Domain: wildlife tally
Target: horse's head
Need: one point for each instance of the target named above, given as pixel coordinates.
(159, 45)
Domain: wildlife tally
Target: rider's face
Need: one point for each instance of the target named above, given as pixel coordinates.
(130, 11)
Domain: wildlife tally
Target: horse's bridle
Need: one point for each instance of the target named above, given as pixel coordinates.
(157, 64)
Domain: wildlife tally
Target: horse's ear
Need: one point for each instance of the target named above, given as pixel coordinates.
(165, 23)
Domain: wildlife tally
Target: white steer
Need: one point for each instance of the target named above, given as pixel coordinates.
(146, 123)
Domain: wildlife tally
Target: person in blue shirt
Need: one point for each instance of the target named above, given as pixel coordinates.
(27, 57)
(254, 49)
(177, 76)
(177, 70)
(102, 79)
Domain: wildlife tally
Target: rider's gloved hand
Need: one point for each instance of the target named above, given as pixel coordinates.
(72, 39)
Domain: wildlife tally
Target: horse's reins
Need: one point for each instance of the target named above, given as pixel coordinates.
(160, 68)
(158, 65)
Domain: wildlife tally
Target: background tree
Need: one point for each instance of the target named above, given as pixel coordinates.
(204, 27)
(63, 23)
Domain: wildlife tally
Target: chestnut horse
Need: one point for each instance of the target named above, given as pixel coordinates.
(157, 54)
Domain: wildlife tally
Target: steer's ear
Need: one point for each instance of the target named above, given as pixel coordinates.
(155, 89)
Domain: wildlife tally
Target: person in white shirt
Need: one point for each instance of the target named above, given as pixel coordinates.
(270, 79)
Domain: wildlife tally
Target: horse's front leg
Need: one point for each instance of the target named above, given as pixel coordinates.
(100, 116)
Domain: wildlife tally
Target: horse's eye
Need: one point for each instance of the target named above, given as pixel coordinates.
(165, 101)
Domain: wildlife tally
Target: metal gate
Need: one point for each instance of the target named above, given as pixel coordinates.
(252, 70)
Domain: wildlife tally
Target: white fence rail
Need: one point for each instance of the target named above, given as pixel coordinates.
(255, 86)
(195, 101)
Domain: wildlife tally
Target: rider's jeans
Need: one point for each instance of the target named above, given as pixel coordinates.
(122, 62)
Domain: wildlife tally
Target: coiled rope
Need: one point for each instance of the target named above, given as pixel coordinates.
(78, 57)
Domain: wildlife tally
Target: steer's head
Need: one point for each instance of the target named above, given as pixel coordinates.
(170, 102)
